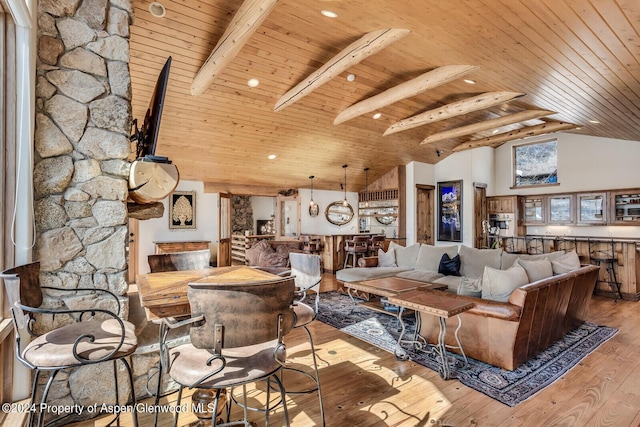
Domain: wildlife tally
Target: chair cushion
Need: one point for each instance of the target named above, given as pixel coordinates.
(244, 364)
(429, 256)
(498, 284)
(55, 348)
(566, 263)
(536, 269)
(253, 253)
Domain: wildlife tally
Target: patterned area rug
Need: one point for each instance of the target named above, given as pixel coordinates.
(508, 387)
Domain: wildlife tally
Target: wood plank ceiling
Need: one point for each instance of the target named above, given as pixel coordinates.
(578, 59)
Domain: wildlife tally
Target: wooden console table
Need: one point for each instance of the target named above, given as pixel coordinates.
(169, 247)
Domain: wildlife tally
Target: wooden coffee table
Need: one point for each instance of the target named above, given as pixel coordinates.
(435, 304)
(386, 287)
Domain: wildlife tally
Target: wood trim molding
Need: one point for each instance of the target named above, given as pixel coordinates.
(246, 21)
(497, 140)
(413, 87)
(367, 45)
(486, 125)
(240, 189)
(479, 102)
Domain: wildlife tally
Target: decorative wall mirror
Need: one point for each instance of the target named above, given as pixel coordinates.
(338, 213)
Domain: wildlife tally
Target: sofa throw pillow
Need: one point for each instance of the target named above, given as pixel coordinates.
(470, 287)
(497, 285)
(566, 263)
(509, 259)
(429, 256)
(406, 257)
(537, 269)
(449, 266)
(387, 259)
(473, 261)
(253, 253)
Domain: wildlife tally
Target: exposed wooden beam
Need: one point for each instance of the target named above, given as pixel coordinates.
(245, 22)
(241, 189)
(486, 125)
(497, 140)
(413, 87)
(367, 45)
(454, 109)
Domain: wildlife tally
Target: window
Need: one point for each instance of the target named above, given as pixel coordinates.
(536, 163)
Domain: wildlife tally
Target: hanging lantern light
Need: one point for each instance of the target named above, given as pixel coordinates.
(345, 202)
(313, 206)
(366, 187)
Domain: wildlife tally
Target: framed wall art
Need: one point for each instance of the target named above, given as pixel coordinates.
(450, 211)
(182, 210)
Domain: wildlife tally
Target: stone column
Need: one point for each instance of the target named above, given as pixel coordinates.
(83, 122)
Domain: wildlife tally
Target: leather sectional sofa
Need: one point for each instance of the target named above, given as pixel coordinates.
(504, 328)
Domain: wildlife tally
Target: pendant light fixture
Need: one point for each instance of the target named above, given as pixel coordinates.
(313, 206)
(345, 202)
(366, 187)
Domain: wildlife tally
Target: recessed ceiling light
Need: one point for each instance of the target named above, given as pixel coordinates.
(595, 122)
(157, 9)
(377, 116)
(351, 77)
(329, 14)
(469, 81)
(271, 156)
(253, 82)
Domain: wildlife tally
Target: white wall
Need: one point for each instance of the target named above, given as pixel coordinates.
(157, 229)
(585, 163)
(319, 224)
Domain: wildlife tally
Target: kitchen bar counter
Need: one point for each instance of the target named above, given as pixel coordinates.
(627, 255)
(333, 249)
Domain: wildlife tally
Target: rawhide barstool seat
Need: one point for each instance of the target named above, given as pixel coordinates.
(355, 248)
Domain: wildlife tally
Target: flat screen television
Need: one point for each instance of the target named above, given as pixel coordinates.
(147, 137)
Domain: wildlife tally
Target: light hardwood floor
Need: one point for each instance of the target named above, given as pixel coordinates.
(365, 386)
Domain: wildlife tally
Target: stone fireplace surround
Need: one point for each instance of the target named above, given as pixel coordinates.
(83, 122)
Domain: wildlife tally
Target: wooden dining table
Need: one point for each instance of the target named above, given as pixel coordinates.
(165, 294)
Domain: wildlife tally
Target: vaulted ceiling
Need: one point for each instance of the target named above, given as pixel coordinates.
(578, 59)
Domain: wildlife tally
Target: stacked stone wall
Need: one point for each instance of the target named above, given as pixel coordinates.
(242, 214)
(83, 119)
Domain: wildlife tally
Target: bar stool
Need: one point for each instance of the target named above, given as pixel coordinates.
(565, 244)
(356, 247)
(602, 252)
(513, 245)
(375, 242)
(311, 245)
(534, 245)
